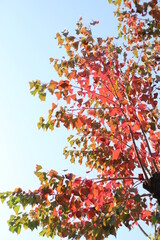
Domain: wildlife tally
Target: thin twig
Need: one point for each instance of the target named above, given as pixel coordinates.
(115, 179)
(146, 195)
(85, 108)
(144, 231)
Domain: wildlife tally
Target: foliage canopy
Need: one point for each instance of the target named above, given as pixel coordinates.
(107, 93)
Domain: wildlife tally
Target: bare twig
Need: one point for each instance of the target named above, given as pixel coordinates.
(119, 178)
(146, 195)
(143, 231)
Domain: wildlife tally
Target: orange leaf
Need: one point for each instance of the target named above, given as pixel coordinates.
(112, 127)
(125, 101)
(52, 85)
(51, 60)
(53, 106)
(124, 29)
(145, 214)
(79, 123)
(52, 173)
(74, 97)
(54, 212)
(68, 99)
(140, 117)
(58, 95)
(136, 127)
(63, 84)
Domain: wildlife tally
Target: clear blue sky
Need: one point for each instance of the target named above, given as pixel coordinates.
(27, 31)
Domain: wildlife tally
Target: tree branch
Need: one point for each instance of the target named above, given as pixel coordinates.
(148, 146)
(139, 160)
(135, 146)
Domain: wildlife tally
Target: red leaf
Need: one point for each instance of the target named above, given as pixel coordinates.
(115, 154)
(145, 214)
(140, 176)
(36, 210)
(142, 106)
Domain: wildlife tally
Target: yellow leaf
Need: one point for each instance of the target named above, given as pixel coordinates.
(38, 167)
(135, 52)
(31, 84)
(119, 2)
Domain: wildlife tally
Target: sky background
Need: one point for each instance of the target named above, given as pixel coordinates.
(27, 31)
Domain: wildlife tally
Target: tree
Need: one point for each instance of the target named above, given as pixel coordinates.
(107, 93)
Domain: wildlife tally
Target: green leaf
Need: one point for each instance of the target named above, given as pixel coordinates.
(18, 230)
(137, 198)
(126, 218)
(4, 195)
(34, 92)
(42, 233)
(155, 218)
(119, 26)
(16, 209)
